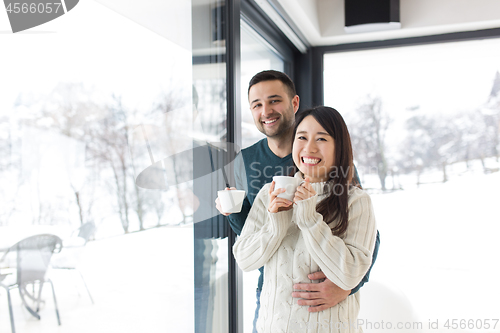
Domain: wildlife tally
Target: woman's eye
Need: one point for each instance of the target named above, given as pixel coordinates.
(301, 138)
(321, 139)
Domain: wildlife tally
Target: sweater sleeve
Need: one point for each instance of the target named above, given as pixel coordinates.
(262, 234)
(345, 260)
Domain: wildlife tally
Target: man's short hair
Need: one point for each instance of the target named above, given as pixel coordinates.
(271, 75)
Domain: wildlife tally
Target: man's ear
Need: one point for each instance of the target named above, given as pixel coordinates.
(295, 103)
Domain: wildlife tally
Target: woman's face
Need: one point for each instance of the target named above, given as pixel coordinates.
(313, 150)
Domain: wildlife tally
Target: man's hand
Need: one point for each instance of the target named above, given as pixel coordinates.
(319, 296)
(217, 202)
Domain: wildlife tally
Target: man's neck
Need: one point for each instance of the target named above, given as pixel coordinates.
(280, 146)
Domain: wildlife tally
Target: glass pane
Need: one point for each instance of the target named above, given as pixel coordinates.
(89, 102)
(210, 155)
(425, 124)
(256, 55)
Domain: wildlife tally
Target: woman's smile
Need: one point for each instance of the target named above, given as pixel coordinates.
(310, 160)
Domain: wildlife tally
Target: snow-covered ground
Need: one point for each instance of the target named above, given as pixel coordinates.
(439, 246)
(140, 282)
(439, 251)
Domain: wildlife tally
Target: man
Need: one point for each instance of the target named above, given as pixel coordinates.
(273, 103)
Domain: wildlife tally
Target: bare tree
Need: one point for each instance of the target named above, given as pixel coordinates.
(368, 129)
(102, 124)
(108, 145)
(432, 142)
(181, 162)
(62, 112)
(491, 116)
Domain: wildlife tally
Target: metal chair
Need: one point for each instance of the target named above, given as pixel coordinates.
(86, 231)
(69, 257)
(32, 257)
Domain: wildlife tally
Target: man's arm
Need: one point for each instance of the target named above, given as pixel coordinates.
(374, 257)
(324, 295)
(356, 181)
(237, 220)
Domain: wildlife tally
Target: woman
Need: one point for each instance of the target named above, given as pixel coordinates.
(329, 226)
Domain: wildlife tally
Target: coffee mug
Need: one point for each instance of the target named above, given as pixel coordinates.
(231, 200)
(290, 184)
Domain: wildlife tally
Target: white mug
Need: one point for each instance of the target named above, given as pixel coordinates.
(290, 184)
(231, 200)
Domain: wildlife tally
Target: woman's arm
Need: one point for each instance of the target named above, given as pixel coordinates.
(344, 261)
(262, 233)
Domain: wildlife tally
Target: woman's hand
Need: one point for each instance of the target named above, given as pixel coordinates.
(304, 191)
(277, 204)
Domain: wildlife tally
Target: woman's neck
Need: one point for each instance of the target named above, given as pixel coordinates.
(312, 180)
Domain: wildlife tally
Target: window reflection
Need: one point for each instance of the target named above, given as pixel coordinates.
(210, 155)
(67, 119)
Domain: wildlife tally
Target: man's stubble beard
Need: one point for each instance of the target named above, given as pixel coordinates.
(283, 129)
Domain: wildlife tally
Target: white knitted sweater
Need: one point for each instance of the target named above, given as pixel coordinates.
(292, 244)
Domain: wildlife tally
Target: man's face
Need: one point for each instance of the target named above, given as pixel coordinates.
(273, 110)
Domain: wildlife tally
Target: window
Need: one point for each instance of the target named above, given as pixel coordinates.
(425, 124)
(256, 55)
(79, 96)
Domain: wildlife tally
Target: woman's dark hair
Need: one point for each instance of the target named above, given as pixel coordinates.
(337, 186)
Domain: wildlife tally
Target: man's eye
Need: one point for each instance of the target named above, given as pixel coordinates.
(255, 106)
(274, 101)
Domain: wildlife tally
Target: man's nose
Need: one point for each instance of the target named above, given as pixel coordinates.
(267, 110)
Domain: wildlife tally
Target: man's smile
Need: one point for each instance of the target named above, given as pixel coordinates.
(270, 121)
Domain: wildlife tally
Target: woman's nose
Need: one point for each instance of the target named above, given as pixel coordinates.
(311, 146)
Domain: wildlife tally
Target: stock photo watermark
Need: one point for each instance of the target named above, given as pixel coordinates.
(332, 172)
(24, 15)
(451, 324)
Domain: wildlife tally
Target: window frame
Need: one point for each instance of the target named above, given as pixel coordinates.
(256, 19)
